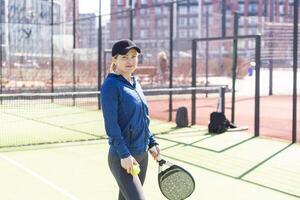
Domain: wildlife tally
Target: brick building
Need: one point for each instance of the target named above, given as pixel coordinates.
(151, 23)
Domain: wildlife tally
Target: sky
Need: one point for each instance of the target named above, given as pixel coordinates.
(92, 6)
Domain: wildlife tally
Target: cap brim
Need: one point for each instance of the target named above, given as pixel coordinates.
(129, 48)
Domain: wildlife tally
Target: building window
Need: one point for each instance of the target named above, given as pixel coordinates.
(166, 32)
(120, 12)
(253, 20)
(253, 31)
(281, 9)
(143, 1)
(134, 22)
(165, 10)
(142, 22)
(252, 8)
(119, 23)
(159, 23)
(166, 22)
(193, 33)
(182, 33)
(251, 44)
(242, 31)
(183, 21)
(183, 10)
(158, 33)
(241, 7)
(241, 44)
(143, 34)
(120, 2)
(147, 23)
(194, 9)
(157, 11)
(194, 21)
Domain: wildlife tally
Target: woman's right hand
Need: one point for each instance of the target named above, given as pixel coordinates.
(127, 163)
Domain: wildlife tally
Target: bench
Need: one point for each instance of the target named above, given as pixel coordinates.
(146, 74)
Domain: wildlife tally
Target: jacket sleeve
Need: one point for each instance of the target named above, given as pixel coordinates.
(109, 99)
(152, 141)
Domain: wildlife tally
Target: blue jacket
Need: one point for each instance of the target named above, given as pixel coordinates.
(126, 116)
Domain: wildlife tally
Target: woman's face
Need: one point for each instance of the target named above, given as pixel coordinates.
(126, 64)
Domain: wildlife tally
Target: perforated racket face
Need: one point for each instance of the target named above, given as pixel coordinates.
(176, 183)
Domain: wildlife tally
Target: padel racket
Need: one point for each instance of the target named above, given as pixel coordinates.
(175, 183)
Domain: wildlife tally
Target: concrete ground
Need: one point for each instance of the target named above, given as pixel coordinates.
(233, 165)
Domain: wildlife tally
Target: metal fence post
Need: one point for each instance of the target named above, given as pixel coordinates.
(295, 66)
(234, 63)
(194, 71)
(171, 61)
(74, 48)
(257, 85)
(1, 86)
(52, 50)
(99, 54)
(130, 20)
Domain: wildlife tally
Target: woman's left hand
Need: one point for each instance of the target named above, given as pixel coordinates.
(155, 152)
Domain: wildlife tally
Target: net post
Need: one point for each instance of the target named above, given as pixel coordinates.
(222, 99)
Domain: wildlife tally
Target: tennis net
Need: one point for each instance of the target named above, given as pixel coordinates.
(46, 118)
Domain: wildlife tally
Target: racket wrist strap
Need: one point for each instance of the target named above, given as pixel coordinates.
(161, 162)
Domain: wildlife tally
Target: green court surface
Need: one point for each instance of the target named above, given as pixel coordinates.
(233, 165)
(31, 124)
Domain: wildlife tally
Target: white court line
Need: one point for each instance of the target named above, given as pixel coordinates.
(39, 177)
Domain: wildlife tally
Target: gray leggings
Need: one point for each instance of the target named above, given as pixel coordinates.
(130, 187)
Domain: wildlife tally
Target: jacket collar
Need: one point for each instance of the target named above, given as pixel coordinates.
(121, 78)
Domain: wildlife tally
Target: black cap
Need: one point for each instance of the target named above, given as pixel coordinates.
(123, 46)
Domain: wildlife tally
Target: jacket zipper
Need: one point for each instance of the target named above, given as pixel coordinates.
(145, 139)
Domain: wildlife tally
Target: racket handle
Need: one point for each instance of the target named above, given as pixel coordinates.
(160, 161)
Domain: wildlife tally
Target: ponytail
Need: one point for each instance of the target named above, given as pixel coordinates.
(113, 67)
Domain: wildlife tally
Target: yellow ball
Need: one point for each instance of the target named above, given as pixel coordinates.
(135, 170)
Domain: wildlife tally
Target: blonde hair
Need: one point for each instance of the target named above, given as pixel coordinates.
(162, 55)
(113, 66)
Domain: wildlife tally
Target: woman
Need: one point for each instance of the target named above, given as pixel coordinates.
(126, 120)
(163, 66)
